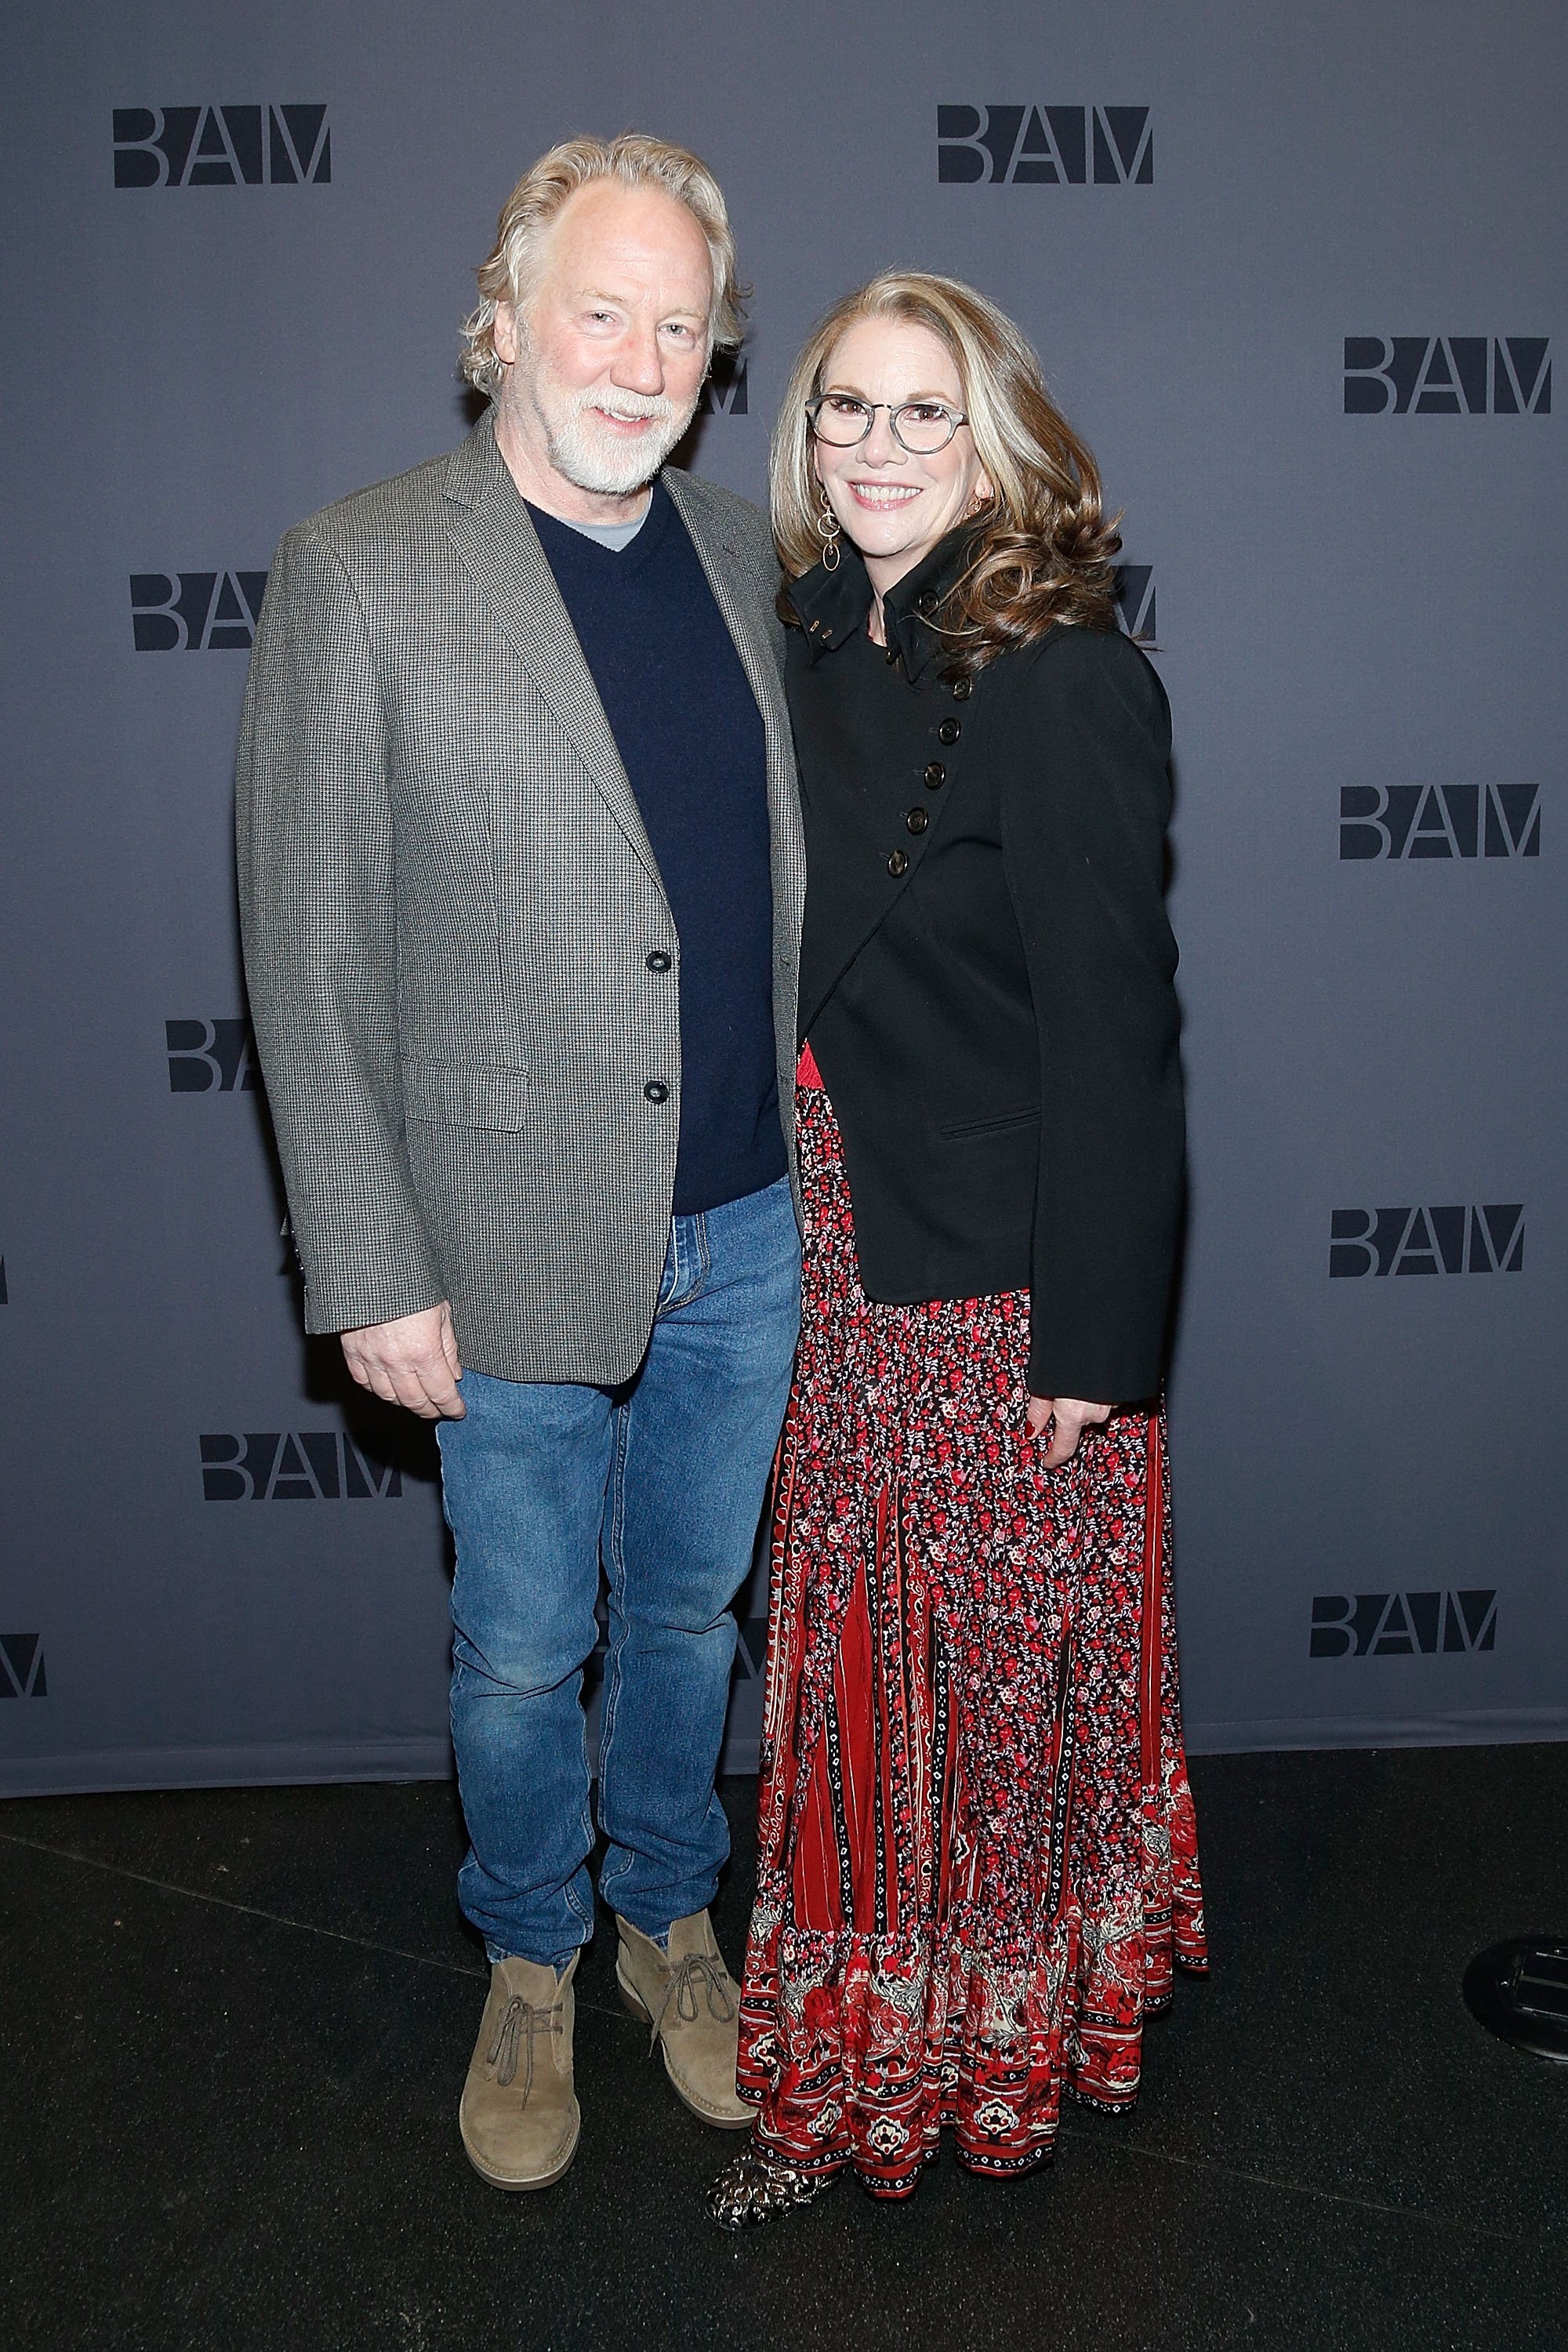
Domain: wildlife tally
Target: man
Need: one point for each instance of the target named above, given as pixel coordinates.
(521, 877)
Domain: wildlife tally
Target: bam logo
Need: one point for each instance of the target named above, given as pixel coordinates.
(1458, 1240)
(1048, 146)
(221, 146)
(1135, 600)
(22, 1672)
(724, 392)
(195, 611)
(751, 1649)
(207, 1057)
(1399, 1625)
(293, 1465)
(1440, 820)
(1447, 375)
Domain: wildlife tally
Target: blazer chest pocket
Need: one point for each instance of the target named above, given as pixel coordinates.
(466, 1094)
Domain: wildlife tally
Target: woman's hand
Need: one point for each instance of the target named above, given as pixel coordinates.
(1072, 1417)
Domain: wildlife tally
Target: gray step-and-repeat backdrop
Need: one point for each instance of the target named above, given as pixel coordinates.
(1297, 274)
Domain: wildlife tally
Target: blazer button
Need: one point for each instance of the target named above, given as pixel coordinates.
(657, 1091)
(899, 863)
(658, 960)
(936, 776)
(918, 819)
(950, 730)
(962, 687)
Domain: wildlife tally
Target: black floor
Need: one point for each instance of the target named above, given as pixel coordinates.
(236, 2023)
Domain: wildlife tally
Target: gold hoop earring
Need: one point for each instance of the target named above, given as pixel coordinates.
(827, 533)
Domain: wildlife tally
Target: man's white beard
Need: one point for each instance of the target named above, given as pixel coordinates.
(584, 453)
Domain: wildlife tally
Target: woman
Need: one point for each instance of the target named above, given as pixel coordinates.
(977, 1850)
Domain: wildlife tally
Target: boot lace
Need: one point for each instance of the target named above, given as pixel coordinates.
(697, 1969)
(519, 2022)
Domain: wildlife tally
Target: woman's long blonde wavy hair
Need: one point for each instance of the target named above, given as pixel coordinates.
(1043, 550)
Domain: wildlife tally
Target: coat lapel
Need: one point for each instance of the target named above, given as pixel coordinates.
(497, 545)
(721, 563)
(500, 548)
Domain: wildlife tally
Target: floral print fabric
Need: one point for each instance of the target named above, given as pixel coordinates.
(978, 1855)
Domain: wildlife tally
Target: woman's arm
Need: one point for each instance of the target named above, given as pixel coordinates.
(1086, 800)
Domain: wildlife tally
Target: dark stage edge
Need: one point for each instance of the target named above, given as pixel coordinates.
(236, 2023)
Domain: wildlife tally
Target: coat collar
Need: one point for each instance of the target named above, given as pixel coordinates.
(476, 470)
(831, 606)
(490, 530)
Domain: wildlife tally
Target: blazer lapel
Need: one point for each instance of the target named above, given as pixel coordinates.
(500, 548)
(757, 659)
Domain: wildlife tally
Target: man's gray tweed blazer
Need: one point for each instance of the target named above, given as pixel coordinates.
(449, 902)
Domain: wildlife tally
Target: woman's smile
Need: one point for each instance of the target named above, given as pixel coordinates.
(883, 494)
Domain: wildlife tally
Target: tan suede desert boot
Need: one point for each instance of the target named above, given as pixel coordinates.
(690, 2001)
(519, 2116)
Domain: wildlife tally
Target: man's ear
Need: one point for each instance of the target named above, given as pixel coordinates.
(506, 334)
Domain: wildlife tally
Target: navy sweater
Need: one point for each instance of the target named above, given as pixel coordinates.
(689, 734)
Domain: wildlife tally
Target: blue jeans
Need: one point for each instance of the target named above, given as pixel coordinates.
(663, 1481)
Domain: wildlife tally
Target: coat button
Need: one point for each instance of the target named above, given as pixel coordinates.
(962, 687)
(950, 730)
(918, 819)
(936, 776)
(898, 864)
(657, 1091)
(658, 960)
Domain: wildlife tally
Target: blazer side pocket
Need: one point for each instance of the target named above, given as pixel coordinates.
(466, 1094)
(1001, 1125)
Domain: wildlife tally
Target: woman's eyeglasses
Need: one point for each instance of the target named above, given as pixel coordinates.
(920, 427)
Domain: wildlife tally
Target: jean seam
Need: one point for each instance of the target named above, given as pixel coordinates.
(672, 1261)
(688, 1281)
(616, 1551)
(585, 1831)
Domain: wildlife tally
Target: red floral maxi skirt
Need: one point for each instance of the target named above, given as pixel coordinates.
(978, 1856)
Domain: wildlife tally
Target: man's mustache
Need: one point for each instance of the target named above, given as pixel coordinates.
(628, 406)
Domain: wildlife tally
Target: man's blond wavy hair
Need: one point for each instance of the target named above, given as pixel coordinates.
(1043, 552)
(633, 161)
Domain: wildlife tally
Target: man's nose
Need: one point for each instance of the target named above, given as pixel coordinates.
(639, 362)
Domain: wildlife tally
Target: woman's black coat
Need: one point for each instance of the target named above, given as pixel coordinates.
(986, 972)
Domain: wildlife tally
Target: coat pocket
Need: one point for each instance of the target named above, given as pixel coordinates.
(1001, 1125)
(466, 1094)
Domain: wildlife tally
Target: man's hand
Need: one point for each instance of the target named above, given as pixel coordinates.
(1071, 1416)
(411, 1362)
